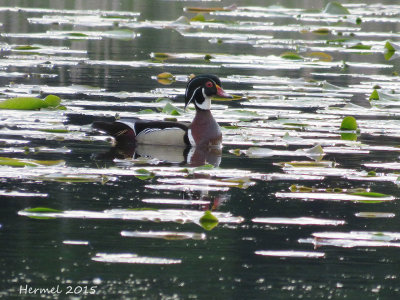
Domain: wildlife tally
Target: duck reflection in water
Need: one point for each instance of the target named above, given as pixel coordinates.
(195, 144)
(190, 156)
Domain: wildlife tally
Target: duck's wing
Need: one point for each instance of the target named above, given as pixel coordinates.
(146, 132)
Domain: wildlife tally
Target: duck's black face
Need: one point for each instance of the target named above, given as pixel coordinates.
(200, 90)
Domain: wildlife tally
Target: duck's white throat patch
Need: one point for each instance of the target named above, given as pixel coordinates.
(206, 105)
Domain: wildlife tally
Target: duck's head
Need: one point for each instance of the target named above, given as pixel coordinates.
(201, 88)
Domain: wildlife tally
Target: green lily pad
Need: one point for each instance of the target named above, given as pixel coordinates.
(146, 111)
(198, 18)
(322, 31)
(77, 34)
(370, 194)
(374, 95)
(291, 55)
(26, 47)
(30, 103)
(208, 221)
(172, 110)
(144, 174)
(390, 49)
(15, 162)
(361, 47)
(349, 123)
(42, 210)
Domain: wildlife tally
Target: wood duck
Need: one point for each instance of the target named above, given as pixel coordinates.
(204, 131)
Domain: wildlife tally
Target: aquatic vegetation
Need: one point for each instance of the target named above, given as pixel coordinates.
(30, 103)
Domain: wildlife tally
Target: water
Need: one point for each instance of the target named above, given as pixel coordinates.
(304, 210)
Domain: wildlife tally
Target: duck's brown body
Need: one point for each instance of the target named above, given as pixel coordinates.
(204, 122)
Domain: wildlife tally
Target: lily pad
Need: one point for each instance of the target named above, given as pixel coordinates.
(208, 221)
(348, 123)
(144, 174)
(291, 55)
(335, 8)
(30, 103)
(14, 162)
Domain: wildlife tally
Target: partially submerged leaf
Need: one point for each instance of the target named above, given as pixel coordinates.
(208, 221)
(291, 55)
(348, 123)
(172, 110)
(370, 194)
(391, 49)
(321, 56)
(335, 8)
(41, 209)
(26, 47)
(14, 162)
(374, 95)
(322, 31)
(161, 56)
(198, 18)
(144, 174)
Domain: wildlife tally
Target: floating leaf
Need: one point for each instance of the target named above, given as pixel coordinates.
(160, 56)
(146, 111)
(348, 123)
(370, 194)
(54, 130)
(374, 95)
(208, 57)
(322, 31)
(43, 211)
(26, 47)
(291, 55)
(14, 162)
(208, 221)
(198, 18)
(335, 8)
(30, 103)
(76, 34)
(391, 49)
(165, 75)
(321, 56)
(360, 46)
(144, 174)
(172, 110)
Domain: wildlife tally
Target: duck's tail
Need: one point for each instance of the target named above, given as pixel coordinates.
(122, 133)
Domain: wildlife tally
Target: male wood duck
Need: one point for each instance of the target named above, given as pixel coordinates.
(204, 131)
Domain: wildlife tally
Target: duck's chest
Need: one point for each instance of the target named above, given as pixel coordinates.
(204, 130)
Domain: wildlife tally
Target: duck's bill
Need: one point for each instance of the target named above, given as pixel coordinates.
(221, 93)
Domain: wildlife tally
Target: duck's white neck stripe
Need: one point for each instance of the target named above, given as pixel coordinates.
(193, 95)
(190, 137)
(206, 105)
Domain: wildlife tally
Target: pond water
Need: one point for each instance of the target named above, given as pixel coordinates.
(305, 210)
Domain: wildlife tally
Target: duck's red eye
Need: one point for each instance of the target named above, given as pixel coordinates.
(209, 84)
